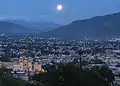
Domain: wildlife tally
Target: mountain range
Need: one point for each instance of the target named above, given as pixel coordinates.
(8, 27)
(22, 26)
(99, 27)
(42, 26)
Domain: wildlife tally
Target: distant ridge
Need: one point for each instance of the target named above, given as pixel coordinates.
(22, 26)
(9, 27)
(99, 27)
(42, 26)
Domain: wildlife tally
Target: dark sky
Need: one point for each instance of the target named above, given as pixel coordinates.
(45, 10)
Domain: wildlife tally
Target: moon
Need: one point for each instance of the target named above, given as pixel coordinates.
(59, 7)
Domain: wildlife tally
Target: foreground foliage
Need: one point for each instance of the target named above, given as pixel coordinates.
(6, 79)
(64, 75)
(70, 75)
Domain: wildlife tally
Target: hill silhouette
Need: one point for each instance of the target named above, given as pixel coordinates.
(9, 27)
(99, 27)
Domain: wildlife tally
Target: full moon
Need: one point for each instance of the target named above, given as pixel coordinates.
(59, 7)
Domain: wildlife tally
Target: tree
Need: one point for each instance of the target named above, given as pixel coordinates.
(70, 75)
(6, 79)
(105, 73)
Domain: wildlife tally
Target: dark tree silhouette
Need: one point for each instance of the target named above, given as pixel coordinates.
(6, 79)
(70, 75)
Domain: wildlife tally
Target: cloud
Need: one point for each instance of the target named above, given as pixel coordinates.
(1, 17)
(12, 17)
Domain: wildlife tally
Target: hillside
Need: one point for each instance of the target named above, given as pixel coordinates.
(8, 27)
(42, 26)
(99, 27)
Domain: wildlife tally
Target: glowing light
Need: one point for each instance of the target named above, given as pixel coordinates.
(59, 7)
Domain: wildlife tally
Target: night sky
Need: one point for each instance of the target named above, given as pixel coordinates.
(45, 10)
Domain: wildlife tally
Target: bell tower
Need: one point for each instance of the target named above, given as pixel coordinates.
(33, 64)
(21, 62)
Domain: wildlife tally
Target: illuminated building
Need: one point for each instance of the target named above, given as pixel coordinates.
(27, 65)
(21, 62)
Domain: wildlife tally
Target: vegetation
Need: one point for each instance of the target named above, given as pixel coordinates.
(6, 79)
(70, 75)
(64, 75)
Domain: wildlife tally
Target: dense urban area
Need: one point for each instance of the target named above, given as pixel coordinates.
(33, 61)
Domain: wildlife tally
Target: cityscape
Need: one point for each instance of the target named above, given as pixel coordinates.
(60, 43)
(30, 55)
